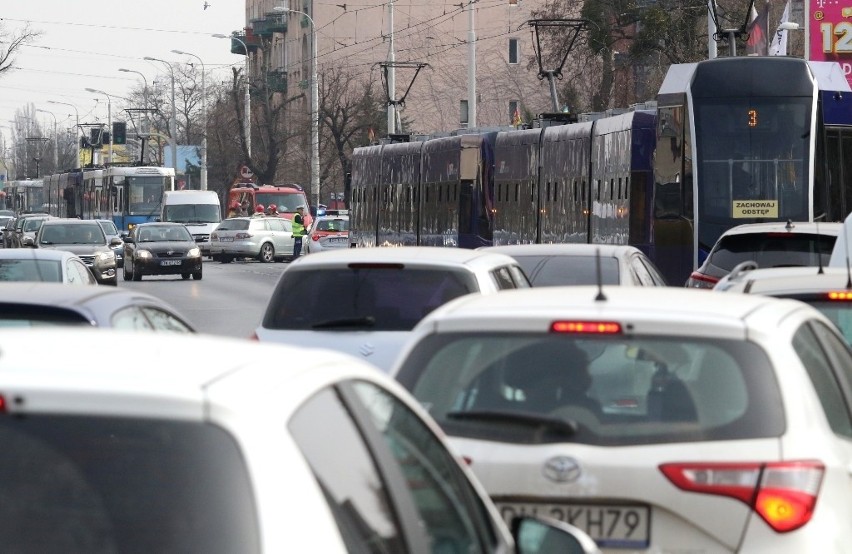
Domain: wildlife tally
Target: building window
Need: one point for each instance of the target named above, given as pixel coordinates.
(464, 114)
(514, 112)
(514, 54)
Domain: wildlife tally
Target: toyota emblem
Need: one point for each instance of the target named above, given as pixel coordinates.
(562, 469)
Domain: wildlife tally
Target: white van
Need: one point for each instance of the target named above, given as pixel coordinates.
(199, 210)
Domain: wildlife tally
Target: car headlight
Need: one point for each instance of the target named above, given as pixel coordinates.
(193, 253)
(143, 254)
(106, 256)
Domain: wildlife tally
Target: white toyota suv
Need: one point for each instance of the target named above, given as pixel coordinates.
(657, 420)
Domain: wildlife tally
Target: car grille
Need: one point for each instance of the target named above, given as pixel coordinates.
(170, 254)
(88, 260)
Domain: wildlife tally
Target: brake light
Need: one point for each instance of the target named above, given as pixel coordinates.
(315, 237)
(784, 494)
(242, 236)
(586, 327)
(700, 281)
(840, 295)
(2, 404)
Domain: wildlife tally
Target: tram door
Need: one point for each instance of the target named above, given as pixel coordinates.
(836, 203)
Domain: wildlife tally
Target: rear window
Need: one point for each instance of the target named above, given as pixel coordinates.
(613, 391)
(773, 250)
(31, 270)
(233, 225)
(333, 225)
(105, 484)
(551, 271)
(32, 224)
(109, 227)
(380, 298)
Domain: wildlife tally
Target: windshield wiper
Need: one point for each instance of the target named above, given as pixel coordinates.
(568, 427)
(366, 321)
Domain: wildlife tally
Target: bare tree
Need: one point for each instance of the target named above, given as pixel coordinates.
(11, 42)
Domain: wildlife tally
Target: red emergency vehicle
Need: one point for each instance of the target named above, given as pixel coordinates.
(285, 197)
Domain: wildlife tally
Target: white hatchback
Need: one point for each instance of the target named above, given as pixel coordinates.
(266, 239)
(210, 445)
(656, 419)
(364, 301)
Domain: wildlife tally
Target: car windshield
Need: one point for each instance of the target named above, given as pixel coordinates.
(233, 225)
(109, 227)
(606, 391)
(161, 233)
(32, 223)
(378, 298)
(550, 271)
(109, 484)
(72, 234)
(31, 270)
(773, 250)
(192, 213)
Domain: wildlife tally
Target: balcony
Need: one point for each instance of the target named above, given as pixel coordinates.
(272, 23)
(277, 81)
(249, 38)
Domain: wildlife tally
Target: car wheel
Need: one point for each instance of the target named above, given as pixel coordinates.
(267, 253)
(136, 275)
(184, 276)
(197, 275)
(128, 273)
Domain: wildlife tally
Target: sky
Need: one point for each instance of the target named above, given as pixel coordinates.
(84, 44)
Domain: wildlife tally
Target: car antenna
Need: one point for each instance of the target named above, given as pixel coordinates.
(600, 297)
(819, 254)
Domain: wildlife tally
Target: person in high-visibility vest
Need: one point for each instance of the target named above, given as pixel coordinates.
(298, 231)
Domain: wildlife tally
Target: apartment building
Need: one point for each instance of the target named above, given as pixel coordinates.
(355, 39)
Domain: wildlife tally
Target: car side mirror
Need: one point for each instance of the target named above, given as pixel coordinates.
(28, 241)
(544, 535)
(115, 241)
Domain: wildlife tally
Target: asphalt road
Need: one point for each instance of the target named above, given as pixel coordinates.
(230, 300)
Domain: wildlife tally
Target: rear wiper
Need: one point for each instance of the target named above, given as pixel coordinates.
(567, 427)
(366, 321)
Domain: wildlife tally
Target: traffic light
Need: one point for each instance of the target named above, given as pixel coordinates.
(119, 132)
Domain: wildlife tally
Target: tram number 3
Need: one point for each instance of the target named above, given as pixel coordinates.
(843, 32)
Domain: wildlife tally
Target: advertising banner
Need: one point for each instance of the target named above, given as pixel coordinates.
(830, 30)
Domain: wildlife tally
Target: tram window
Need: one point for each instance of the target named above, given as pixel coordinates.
(517, 192)
(583, 191)
(455, 192)
(611, 188)
(619, 189)
(626, 187)
(598, 192)
(555, 188)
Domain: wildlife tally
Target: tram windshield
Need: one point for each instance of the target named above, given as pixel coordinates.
(752, 163)
(144, 194)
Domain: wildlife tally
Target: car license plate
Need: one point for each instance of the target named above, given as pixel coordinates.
(170, 262)
(611, 526)
(336, 240)
(226, 239)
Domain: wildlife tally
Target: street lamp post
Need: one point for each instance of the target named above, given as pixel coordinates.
(315, 183)
(77, 133)
(55, 141)
(173, 123)
(203, 118)
(145, 102)
(109, 118)
(247, 101)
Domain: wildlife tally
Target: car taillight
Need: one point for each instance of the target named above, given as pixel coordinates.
(315, 237)
(214, 236)
(586, 327)
(242, 236)
(700, 281)
(784, 494)
(2, 404)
